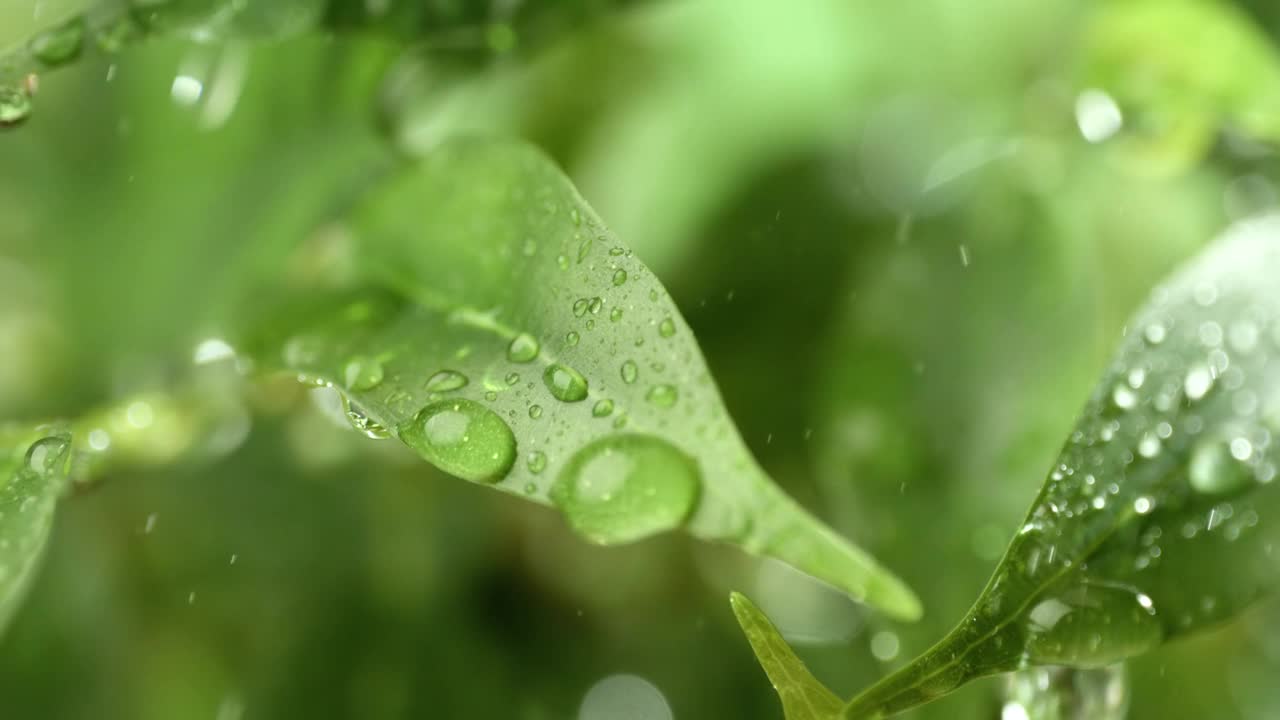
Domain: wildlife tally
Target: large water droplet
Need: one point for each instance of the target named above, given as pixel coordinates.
(362, 373)
(463, 438)
(45, 455)
(1060, 629)
(565, 383)
(625, 487)
(59, 45)
(664, 396)
(15, 105)
(523, 348)
(446, 381)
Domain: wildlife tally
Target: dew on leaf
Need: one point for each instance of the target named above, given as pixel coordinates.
(523, 348)
(446, 381)
(462, 438)
(625, 487)
(537, 462)
(572, 338)
(663, 396)
(667, 328)
(59, 45)
(535, 411)
(629, 372)
(619, 277)
(362, 373)
(565, 383)
(603, 408)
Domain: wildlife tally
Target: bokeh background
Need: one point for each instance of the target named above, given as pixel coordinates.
(907, 236)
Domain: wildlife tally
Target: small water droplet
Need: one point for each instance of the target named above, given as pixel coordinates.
(15, 105)
(572, 338)
(565, 383)
(59, 45)
(463, 438)
(580, 307)
(362, 373)
(625, 487)
(1124, 397)
(629, 372)
(615, 314)
(523, 348)
(446, 381)
(361, 422)
(663, 396)
(1198, 382)
(596, 304)
(667, 327)
(1143, 505)
(619, 277)
(535, 411)
(603, 408)
(537, 462)
(1154, 333)
(45, 454)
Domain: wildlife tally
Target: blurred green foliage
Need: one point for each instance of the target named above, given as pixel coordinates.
(902, 255)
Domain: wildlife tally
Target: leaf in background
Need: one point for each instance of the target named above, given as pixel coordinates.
(803, 697)
(32, 466)
(518, 344)
(1155, 521)
(1183, 71)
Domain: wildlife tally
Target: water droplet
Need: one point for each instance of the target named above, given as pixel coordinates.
(629, 372)
(361, 422)
(1143, 505)
(1124, 397)
(1154, 333)
(584, 248)
(580, 307)
(615, 314)
(565, 383)
(535, 411)
(619, 277)
(15, 105)
(664, 396)
(45, 454)
(1097, 115)
(625, 487)
(523, 348)
(1149, 445)
(596, 304)
(512, 378)
(603, 408)
(575, 216)
(1214, 470)
(537, 462)
(463, 438)
(59, 45)
(1198, 382)
(667, 328)
(572, 338)
(446, 381)
(562, 261)
(362, 373)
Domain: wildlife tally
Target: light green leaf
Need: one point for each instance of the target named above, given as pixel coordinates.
(1157, 519)
(803, 697)
(1182, 71)
(510, 339)
(32, 474)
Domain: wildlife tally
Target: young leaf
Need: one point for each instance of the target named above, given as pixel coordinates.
(803, 697)
(32, 466)
(516, 343)
(1157, 518)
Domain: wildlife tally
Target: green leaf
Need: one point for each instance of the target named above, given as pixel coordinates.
(1156, 519)
(1183, 70)
(803, 697)
(32, 474)
(511, 340)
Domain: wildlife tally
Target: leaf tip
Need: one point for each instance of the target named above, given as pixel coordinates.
(803, 696)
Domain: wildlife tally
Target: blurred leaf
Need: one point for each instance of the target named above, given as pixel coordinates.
(528, 349)
(1183, 70)
(32, 468)
(1150, 525)
(803, 697)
